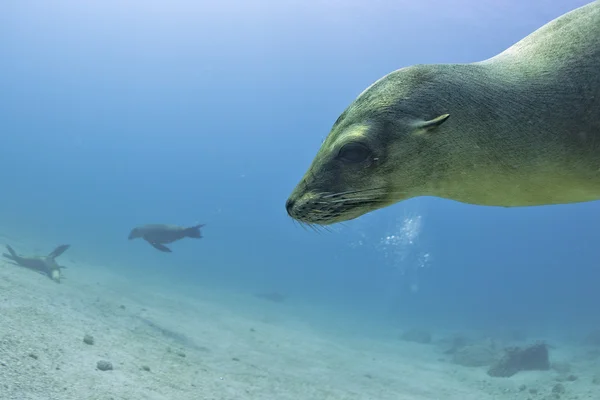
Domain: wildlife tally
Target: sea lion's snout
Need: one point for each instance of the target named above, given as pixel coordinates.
(341, 184)
(301, 204)
(322, 209)
(298, 205)
(289, 207)
(134, 234)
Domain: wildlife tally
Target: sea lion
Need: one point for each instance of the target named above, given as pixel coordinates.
(274, 297)
(157, 234)
(43, 264)
(519, 129)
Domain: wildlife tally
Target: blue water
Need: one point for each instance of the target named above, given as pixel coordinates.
(120, 113)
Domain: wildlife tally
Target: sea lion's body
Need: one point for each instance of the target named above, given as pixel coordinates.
(46, 265)
(159, 234)
(519, 129)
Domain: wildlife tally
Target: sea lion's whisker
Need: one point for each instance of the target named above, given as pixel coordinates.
(328, 195)
(359, 199)
(324, 228)
(302, 224)
(296, 222)
(314, 229)
(321, 228)
(356, 191)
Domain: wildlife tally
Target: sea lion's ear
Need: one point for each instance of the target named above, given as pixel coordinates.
(426, 126)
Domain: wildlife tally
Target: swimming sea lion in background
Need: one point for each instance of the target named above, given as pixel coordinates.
(43, 264)
(274, 297)
(157, 234)
(519, 129)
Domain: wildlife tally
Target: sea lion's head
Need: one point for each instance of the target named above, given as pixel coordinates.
(376, 154)
(135, 233)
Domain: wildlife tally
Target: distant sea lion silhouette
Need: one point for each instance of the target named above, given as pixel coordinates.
(43, 264)
(519, 129)
(158, 234)
(275, 297)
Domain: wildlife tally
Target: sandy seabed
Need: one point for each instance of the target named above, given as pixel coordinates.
(165, 344)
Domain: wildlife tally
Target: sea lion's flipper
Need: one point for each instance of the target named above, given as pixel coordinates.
(13, 254)
(194, 231)
(160, 247)
(59, 250)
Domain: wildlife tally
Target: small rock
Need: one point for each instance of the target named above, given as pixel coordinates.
(88, 339)
(34, 356)
(180, 354)
(558, 389)
(571, 378)
(145, 368)
(532, 358)
(104, 365)
(122, 307)
(522, 388)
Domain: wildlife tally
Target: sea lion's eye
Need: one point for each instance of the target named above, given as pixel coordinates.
(354, 152)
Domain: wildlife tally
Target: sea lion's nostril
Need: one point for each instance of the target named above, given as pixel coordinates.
(289, 204)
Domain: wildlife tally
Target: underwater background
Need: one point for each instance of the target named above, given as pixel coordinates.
(120, 113)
